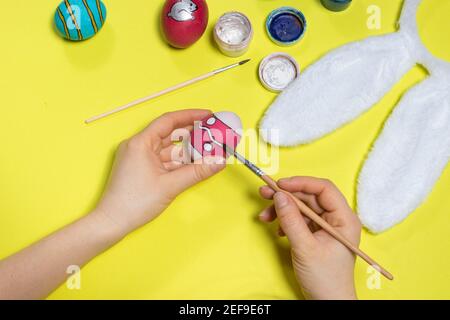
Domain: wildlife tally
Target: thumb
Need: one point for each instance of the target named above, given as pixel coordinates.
(191, 174)
(291, 221)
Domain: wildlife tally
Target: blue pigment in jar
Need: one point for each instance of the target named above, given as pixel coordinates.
(336, 5)
(286, 26)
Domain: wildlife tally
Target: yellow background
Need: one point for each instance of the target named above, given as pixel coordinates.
(208, 244)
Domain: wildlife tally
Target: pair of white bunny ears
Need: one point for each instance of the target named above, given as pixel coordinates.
(414, 146)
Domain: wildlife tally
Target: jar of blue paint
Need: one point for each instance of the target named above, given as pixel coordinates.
(336, 5)
(286, 26)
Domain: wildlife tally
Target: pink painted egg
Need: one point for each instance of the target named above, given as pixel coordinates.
(210, 134)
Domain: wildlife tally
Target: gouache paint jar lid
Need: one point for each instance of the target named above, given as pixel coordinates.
(286, 26)
(233, 33)
(277, 71)
(336, 5)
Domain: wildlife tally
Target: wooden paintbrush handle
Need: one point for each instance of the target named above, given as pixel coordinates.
(311, 214)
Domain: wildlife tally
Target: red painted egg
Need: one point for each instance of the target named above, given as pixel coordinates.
(184, 21)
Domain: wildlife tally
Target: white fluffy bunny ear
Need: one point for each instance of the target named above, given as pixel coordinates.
(345, 83)
(336, 89)
(408, 157)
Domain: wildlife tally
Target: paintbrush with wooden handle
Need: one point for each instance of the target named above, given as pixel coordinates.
(308, 212)
(165, 91)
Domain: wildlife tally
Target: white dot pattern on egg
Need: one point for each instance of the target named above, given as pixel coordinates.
(212, 132)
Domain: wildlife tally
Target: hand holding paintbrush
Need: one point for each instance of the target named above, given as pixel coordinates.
(218, 135)
(313, 216)
(324, 268)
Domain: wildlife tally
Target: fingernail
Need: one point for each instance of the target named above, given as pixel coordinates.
(264, 214)
(281, 200)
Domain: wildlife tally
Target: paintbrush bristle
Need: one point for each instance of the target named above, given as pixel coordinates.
(244, 62)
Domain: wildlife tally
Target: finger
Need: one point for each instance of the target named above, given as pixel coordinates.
(310, 200)
(178, 135)
(172, 165)
(266, 192)
(327, 194)
(292, 222)
(169, 153)
(168, 122)
(280, 232)
(338, 213)
(348, 225)
(172, 153)
(268, 214)
(191, 174)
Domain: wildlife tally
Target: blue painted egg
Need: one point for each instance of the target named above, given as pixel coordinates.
(79, 20)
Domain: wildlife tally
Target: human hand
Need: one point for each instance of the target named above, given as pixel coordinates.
(323, 266)
(146, 178)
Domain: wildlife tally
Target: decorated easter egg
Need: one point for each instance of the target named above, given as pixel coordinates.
(212, 133)
(183, 22)
(79, 20)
